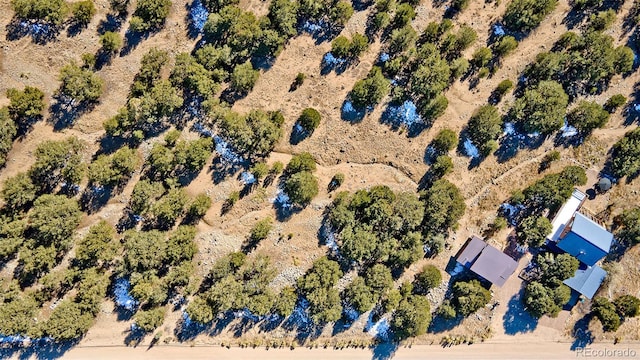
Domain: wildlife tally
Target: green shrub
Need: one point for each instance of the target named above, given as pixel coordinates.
(309, 119)
(428, 278)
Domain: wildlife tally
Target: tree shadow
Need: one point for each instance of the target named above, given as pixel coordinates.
(270, 323)
(320, 31)
(196, 17)
(220, 323)
(510, 144)
(41, 349)
(187, 329)
(330, 63)
(568, 141)
(581, 334)
(517, 320)
(131, 40)
(404, 117)
(263, 62)
(64, 112)
(75, 29)
(384, 350)
(348, 112)
(95, 198)
(575, 17)
(230, 95)
(298, 134)
(134, 337)
(40, 32)
(221, 169)
(112, 22)
(103, 59)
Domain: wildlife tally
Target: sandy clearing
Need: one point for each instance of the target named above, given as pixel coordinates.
(489, 350)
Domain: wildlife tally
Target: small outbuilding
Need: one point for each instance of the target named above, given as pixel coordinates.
(603, 185)
(587, 281)
(486, 261)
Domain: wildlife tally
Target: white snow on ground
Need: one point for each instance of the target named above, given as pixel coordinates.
(406, 114)
(379, 329)
(498, 30)
(198, 15)
(222, 146)
(509, 129)
(121, 293)
(224, 149)
(330, 241)
(247, 178)
(470, 149)
(282, 199)
(350, 314)
(202, 130)
(511, 211)
(300, 315)
(311, 27)
(568, 130)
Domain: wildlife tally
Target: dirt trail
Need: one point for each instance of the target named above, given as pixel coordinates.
(489, 350)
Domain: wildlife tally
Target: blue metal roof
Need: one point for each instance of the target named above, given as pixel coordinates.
(587, 281)
(586, 241)
(592, 232)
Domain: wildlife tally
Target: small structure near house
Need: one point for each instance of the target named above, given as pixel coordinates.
(603, 185)
(565, 214)
(585, 240)
(486, 261)
(587, 281)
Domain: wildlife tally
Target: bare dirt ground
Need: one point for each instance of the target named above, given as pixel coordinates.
(368, 153)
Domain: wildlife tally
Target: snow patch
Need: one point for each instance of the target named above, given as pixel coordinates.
(498, 30)
(568, 130)
(470, 149)
(300, 315)
(332, 61)
(282, 199)
(226, 152)
(511, 212)
(509, 129)
(405, 114)
(350, 314)
(198, 15)
(312, 27)
(247, 178)
(121, 294)
(202, 130)
(380, 329)
(384, 57)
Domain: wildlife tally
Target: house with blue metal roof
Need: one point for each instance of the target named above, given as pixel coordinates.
(585, 239)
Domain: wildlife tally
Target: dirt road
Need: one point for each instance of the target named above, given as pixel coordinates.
(494, 351)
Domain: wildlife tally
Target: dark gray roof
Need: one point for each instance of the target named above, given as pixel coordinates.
(494, 265)
(587, 281)
(604, 184)
(470, 251)
(487, 261)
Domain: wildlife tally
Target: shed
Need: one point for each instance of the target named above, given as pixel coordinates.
(604, 185)
(585, 240)
(587, 281)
